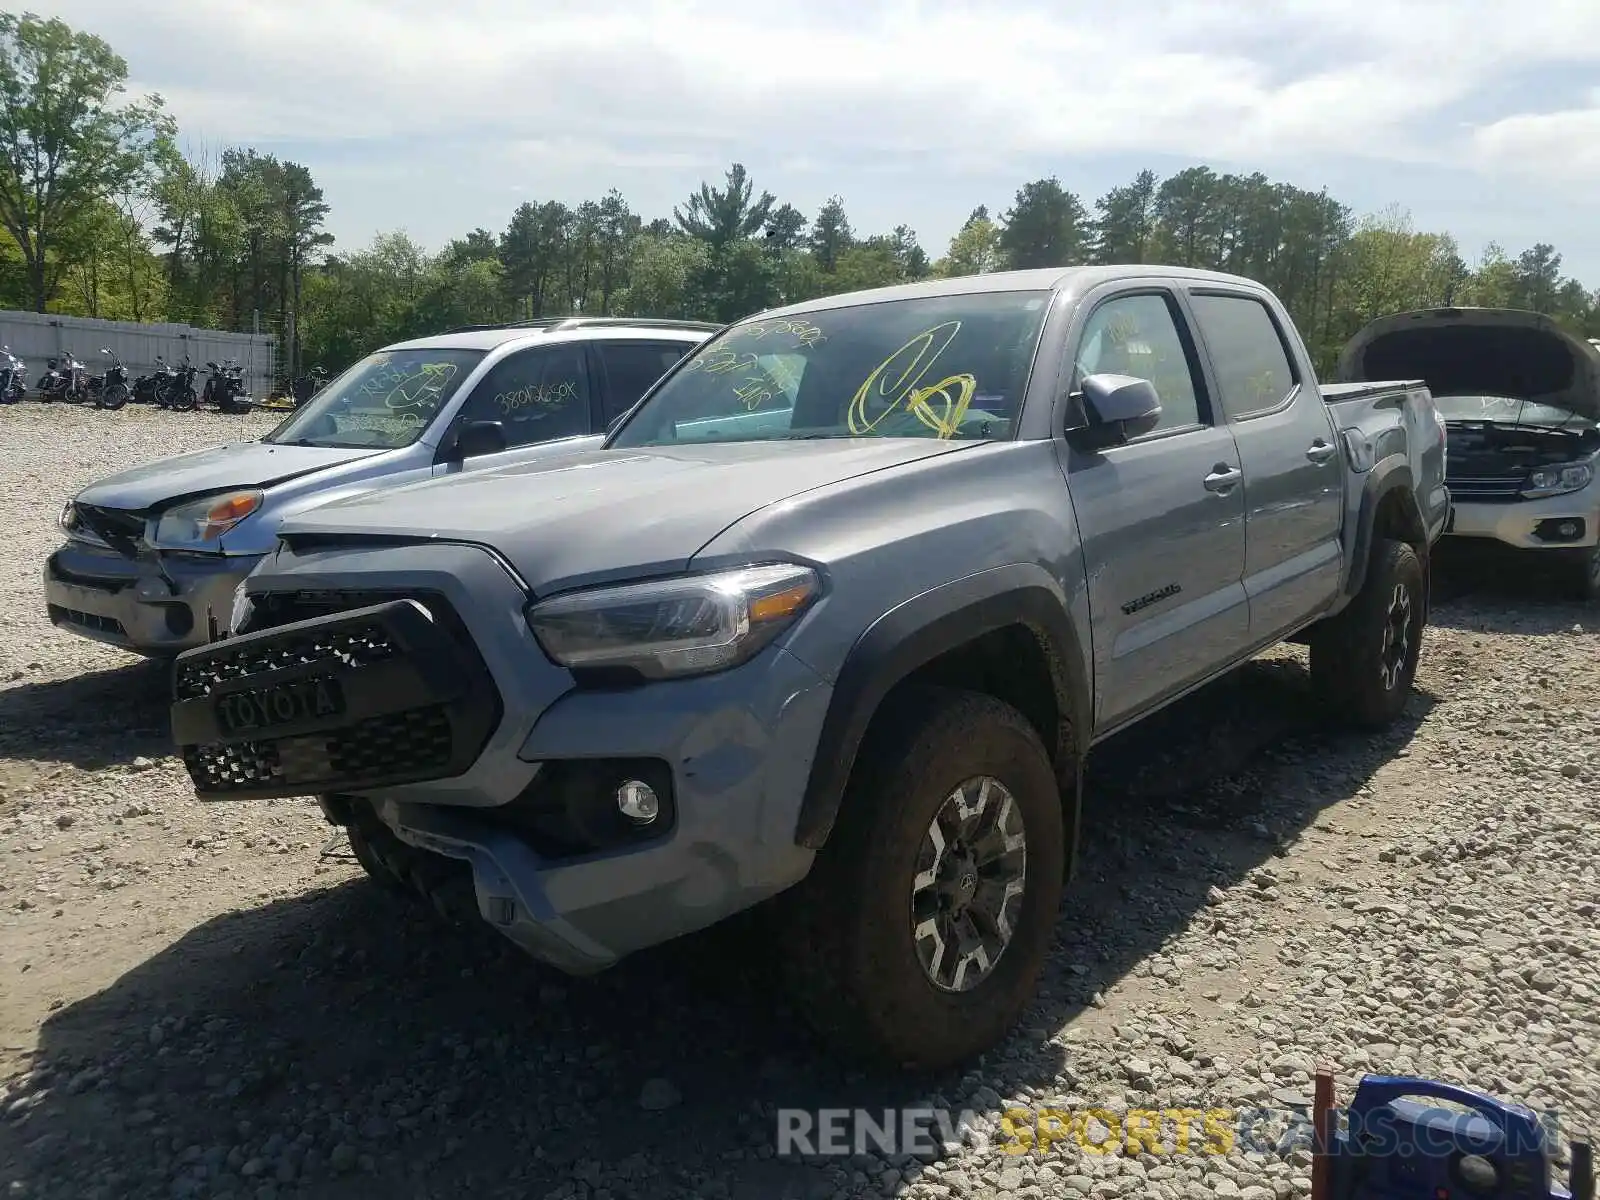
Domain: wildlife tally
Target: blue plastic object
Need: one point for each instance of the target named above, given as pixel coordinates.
(1398, 1146)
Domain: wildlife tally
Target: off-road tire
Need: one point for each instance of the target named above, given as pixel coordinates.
(372, 863)
(1351, 670)
(848, 946)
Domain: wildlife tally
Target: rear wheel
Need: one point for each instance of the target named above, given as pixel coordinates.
(1364, 660)
(920, 933)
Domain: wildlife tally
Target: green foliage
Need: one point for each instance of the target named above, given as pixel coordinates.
(101, 215)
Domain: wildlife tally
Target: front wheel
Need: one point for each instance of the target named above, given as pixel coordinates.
(1583, 568)
(1364, 661)
(920, 933)
(184, 399)
(114, 397)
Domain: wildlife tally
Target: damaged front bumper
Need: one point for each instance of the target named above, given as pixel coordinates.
(156, 604)
(448, 737)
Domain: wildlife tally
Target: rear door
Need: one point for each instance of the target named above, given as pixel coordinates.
(1161, 518)
(1288, 448)
(626, 369)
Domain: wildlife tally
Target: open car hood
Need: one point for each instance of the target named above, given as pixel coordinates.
(1479, 352)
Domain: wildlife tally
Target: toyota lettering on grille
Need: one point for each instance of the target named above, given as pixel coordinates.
(284, 704)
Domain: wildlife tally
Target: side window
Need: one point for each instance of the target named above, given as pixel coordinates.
(631, 367)
(538, 395)
(1247, 354)
(1138, 335)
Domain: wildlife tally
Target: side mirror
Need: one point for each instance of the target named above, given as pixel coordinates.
(105, 349)
(477, 438)
(1116, 408)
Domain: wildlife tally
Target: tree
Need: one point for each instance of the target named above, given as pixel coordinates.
(1125, 221)
(908, 254)
(69, 142)
(1045, 227)
(718, 217)
(785, 228)
(831, 234)
(973, 251)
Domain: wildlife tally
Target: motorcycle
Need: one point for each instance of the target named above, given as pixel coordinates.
(148, 389)
(65, 379)
(13, 377)
(112, 391)
(179, 394)
(225, 387)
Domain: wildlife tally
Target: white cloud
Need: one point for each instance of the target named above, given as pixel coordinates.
(1203, 78)
(941, 88)
(1555, 147)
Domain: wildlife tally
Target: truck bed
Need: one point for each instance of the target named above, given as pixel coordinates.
(1339, 393)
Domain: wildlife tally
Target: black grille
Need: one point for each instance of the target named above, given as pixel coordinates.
(418, 701)
(358, 647)
(71, 616)
(406, 743)
(1486, 488)
(271, 609)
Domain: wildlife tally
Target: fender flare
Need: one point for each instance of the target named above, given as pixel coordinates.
(915, 633)
(1384, 480)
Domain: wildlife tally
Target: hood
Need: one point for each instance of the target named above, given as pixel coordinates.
(601, 513)
(235, 465)
(1479, 352)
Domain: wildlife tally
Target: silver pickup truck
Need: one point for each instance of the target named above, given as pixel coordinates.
(832, 620)
(153, 555)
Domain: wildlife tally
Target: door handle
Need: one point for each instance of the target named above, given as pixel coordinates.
(1222, 478)
(1320, 451)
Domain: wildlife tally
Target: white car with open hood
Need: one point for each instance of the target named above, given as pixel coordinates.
(1521, 402)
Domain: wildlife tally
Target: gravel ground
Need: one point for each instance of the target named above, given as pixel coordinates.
(214, 1002)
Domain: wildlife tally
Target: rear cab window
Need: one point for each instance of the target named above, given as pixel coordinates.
(1254, 372)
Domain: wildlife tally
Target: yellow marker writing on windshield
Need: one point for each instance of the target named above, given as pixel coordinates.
(904, 390)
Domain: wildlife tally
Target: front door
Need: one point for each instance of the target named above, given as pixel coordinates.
(1161, 518)
(539, 395)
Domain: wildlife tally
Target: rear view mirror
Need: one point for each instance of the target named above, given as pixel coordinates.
(477, 438)
(1118, 408)
(105, 349)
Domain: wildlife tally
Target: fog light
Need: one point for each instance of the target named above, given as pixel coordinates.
(1568, 529)
(637, 801)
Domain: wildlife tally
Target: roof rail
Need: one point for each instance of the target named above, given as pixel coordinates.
(536, 323)
(653, 322)
(556, 324)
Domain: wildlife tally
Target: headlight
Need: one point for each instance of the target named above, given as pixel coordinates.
(687, 625)
(1558, 480)
(202, 521)
(68, 520)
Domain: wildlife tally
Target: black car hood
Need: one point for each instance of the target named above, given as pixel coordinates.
(601, 513)
(1479, 352)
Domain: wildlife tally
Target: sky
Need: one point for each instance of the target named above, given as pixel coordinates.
(1480, 117)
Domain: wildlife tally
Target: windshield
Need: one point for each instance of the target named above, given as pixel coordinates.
(385, 401)
(1507, 410)
(941, 367)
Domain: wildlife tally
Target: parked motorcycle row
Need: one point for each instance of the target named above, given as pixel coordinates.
(66, 380)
